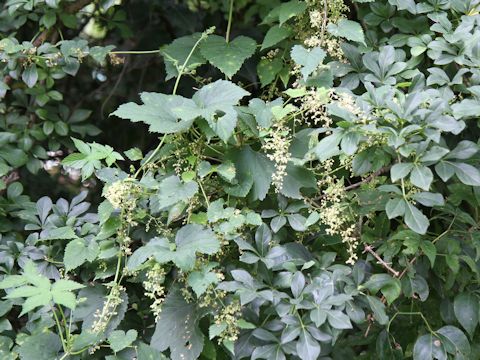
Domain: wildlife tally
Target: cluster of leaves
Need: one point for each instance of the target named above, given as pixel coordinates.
(301, 181)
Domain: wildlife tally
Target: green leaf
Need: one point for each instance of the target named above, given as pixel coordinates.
(61, 233)
(378, 309)
(41, 346)
(428, 348)
(254, 173)
(290, 9)
(467, 174)
(159, 248)
(218, 98)
(347, 29)
(227, 57)
(422, 177)
(192, 239)
(177, 328)
(216, 329)
(77, 252)
(338, 319)
(400, 170)
(120, 339)
(91, 302)
(307, 347)
(297, 177)
(134, 154)
(308, 59)
(415, 219)
(455, 342)
(30, 75)
(268, 69)
(171, 191)
(199, 281)
(429, 250)
(274, 35)
(395, 207)
(466, 309)
(176, 53)
(164, 114)
(389, 286)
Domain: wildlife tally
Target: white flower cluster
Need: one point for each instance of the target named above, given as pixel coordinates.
(154, 289)
(333, 215)
(277, 144)
(229, 316)
(314, 106)
(108, 310)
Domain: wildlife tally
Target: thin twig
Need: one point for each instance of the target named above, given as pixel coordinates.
(382, 262)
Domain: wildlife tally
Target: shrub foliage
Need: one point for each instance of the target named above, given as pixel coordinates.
(295, 180)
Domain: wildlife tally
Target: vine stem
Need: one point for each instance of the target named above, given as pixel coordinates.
(229, 25)
(152, 155)
(60, 332)
(135, 52)
(184, 65)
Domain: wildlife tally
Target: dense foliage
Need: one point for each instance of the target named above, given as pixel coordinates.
(296, 180)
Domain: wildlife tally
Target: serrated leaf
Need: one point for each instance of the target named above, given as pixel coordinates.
(176, 53)
(164, 114)
(192, 239)
(77, 252)
(348, 29)
(120, 339)
(177, 328)
(254, 173)
(227, 57)
(308, 59)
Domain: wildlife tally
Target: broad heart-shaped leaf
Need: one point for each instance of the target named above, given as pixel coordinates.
(254, 173)
(77, 252)
(347, 29)
(176, 53)
(415, 219)
(177, 328)
(171, 191)
(308, 59)
(227, 57)
(41, 346)
(164, 114)
(297, 177)
(215, 103)
(200, 280)
(159, 248)
(428, 347)
(455, 341)
(466, 309)
(190, 239)
(120, 339)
